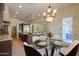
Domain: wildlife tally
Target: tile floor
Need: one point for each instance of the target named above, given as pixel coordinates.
(18, 50)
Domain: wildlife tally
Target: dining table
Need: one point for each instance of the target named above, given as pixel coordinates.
(44, 45)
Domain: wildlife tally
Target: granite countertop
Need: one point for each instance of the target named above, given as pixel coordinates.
(5, 37)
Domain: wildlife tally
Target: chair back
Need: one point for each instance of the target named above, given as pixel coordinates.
(71, 50)
(30, 51)
(23, 37)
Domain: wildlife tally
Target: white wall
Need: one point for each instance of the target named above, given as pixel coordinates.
(56, 25)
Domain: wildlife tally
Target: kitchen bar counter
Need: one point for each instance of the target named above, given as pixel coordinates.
(5, 46)
(5, 38)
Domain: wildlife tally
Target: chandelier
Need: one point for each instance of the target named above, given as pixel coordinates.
(50, 14)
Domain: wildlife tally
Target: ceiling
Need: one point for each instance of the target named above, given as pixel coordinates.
(34, 8)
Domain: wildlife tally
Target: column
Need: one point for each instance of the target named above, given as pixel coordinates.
(1, 15)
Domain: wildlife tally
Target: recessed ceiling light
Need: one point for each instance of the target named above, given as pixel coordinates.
(16, 12)
(20, 6)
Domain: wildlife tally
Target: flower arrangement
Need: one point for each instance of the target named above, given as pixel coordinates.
(49, 34)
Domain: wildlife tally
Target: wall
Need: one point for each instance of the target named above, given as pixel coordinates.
(56, 25)
(40, 26)
(15, 22)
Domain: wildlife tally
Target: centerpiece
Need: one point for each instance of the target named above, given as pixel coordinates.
(50, 34)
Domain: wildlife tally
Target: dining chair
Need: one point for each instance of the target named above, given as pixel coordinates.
(23, 37)
(30, 51)
(71, 50)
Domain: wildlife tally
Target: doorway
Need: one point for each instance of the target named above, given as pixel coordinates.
(14, 32)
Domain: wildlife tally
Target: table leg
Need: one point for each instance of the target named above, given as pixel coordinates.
(52, 51)
(46, 51)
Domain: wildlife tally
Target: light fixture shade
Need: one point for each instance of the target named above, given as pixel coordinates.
(49, 9)
(50, 14)
(49, 19)
(55, 11)
(44, 14)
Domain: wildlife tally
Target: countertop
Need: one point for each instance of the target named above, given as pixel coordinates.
(5, 37)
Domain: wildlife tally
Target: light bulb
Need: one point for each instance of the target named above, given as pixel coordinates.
(53, 14)
(49, 10)
(49, 19)
(44, 14)
(55, 10)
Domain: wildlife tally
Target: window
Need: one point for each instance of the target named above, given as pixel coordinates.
(67, 29)
(26, 28)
